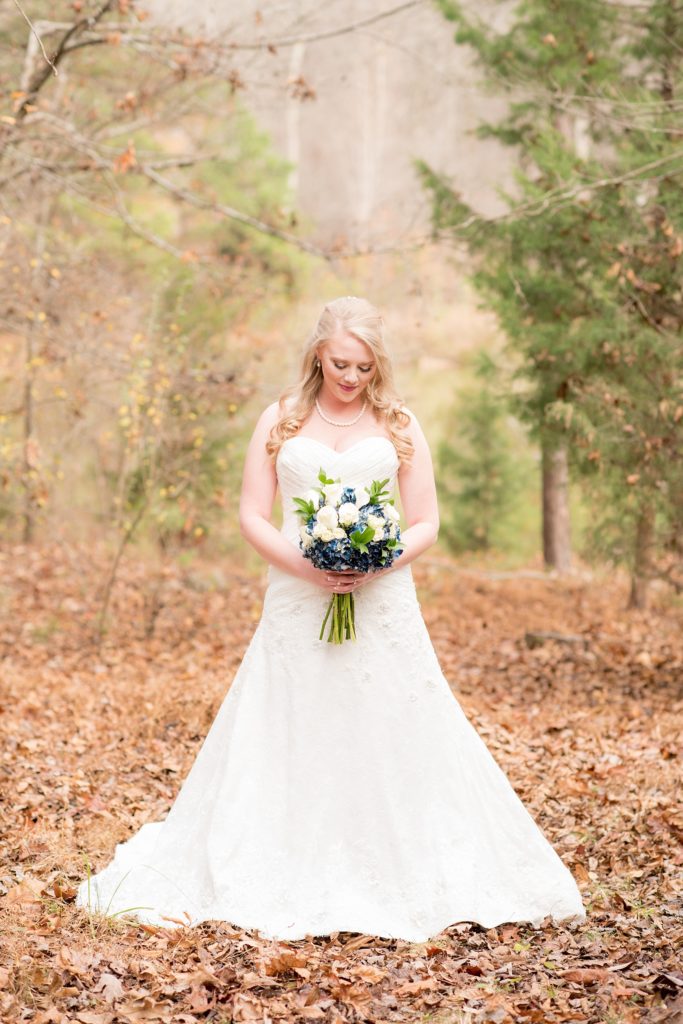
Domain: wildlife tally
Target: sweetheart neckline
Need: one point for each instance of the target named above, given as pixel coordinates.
(336, 451)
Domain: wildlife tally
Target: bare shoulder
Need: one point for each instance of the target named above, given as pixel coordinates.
(264, 425)
(276, 410)
(413, 429)
(421, 460)
(270, 415)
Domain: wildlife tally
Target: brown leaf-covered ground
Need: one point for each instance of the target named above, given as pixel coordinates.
(97, 741)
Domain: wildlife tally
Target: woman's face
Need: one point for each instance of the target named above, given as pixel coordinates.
(348, 366)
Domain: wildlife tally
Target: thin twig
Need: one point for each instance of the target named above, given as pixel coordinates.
(32, 27)
(194, 199)
(149, 236)
(40, 76)
(313, 37)
(111, 577)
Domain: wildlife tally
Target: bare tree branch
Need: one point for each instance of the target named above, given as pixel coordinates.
(41, 75)
(32, 27)
(555, 198)
(314, 37)
(198, 201)
(130, 221)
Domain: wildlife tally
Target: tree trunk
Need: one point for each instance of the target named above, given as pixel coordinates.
(372, 97)
(30, 338)
(557, 549)
(293, 123)
(642, 562)
(27, 468)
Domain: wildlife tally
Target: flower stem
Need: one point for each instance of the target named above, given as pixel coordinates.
(343, 623)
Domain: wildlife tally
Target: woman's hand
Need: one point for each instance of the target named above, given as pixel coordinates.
(344, 582)
(336, 582)
(348, 581)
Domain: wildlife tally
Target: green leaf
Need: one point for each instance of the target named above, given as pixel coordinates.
(360, 538)
(305, 509)
(377, 495)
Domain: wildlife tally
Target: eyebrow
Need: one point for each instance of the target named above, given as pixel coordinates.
(362, 362)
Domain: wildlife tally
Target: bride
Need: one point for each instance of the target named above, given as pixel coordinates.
(340, 787)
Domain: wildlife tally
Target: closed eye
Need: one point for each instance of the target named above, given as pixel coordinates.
(363, 369)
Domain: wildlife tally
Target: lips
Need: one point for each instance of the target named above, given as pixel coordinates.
(348, 390)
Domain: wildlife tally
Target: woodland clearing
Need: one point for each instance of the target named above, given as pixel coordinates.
(96, 741)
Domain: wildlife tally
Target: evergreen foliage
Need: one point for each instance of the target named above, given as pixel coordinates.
(477, 472)
(585, 268)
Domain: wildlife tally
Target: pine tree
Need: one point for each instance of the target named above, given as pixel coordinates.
(583, 270)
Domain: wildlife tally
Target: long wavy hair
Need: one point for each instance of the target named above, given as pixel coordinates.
(360, 319)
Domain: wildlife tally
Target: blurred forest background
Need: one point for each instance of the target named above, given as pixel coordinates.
(182, 186)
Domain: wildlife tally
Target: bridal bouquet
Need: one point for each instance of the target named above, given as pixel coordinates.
(344, 529)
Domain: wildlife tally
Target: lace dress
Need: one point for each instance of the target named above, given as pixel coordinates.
(339, 787)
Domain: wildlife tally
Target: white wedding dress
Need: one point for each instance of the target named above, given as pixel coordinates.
(339, 787)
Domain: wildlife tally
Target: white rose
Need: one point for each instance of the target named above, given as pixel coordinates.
(379, 533)
(328, 517)
(306, 538)
(392, 530)
(348, 514)
(321, 532)
(333, 493)
(391, 513)
(376, 522)
(313, 496)
(339, 534)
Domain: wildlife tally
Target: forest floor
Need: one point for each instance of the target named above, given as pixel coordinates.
(96, 741)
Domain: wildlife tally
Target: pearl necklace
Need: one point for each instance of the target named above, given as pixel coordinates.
(335, 423)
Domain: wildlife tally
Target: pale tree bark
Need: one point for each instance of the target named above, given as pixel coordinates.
(642, 563)
(372, 98)
(293, 121)
(30, 456)
(557, 548)
(365, 100)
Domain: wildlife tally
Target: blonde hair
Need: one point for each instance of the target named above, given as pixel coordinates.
(360, 319)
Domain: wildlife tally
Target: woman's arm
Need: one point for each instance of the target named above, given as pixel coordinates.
(417, 488)
(259, 486)
(420, 508)
(418, 497)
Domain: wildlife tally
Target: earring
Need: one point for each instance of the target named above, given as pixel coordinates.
(317, 362)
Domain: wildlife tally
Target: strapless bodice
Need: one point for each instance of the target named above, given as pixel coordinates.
(301, 458)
